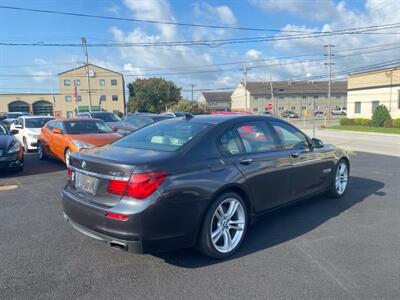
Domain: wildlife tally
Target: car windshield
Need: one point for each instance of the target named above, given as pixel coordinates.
(162, 136)
(36, 122)
(13, 116)
(106, 117)
(3, 129)
(85, 127)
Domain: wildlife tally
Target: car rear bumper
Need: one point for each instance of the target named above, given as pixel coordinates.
(129, 246)
(160, 227)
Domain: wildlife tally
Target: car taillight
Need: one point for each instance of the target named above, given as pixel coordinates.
(70, 175)
(139, 186)
(118, 217)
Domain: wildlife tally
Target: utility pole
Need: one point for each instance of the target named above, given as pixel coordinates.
(329, 64)
(245, 86)
(84, 45)
(192, 85)
(272, 95)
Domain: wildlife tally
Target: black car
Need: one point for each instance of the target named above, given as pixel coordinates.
(196, 181)
(135, 121)
(11, 151)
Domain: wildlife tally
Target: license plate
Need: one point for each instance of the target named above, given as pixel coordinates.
(86, 184)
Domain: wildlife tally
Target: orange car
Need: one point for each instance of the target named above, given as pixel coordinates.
(60, 137)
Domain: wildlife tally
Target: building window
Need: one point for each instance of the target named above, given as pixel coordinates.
(293, 97)
(79, 99)
(113, 81)
(68, 98)
(103, 98)
(77, 82)
(281, 97)
(357, 107)
(304, 107)
(268, 97)
(255, 97)
(338, 97)
(315, 97)
(67, 82)
(102, 82)
(255, 109)
(280, 108)
(375, 104)
(114, 97)
(293, 107)
(304, 97)
(70, 114)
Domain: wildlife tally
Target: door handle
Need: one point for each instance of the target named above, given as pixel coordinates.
(295, 154)
(246, 161)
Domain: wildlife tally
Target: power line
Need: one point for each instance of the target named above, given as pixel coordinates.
(142, 21)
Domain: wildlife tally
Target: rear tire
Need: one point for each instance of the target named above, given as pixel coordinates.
(340, 178)
(41, 152)
(224, 227)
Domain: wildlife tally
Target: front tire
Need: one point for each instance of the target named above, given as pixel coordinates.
(224, 227)
(340, 179)
(67, 155)
(41, 152)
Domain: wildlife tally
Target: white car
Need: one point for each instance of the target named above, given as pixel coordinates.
(28, 130)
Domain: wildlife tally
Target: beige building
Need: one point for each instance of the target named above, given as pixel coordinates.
(216, 101)
(106, 92)
(297, 96)
(369, 89)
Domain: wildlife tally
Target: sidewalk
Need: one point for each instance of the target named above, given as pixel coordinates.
(379, 143)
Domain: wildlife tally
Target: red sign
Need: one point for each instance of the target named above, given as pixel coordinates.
(269, 106)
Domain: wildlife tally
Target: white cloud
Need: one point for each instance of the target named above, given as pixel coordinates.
(218, 14)
(314, 9)
(41, 76)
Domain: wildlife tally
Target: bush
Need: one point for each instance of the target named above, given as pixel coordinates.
(365, 122)
(396, 123)
(358, 121)
(380, 115)
(346, 121)
(388, 123)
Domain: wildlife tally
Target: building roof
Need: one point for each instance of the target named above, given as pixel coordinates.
(296, 87)
(376, 71)
(217, 96)
(80, 67)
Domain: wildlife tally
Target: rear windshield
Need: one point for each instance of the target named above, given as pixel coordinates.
(106, 117)
(36, 122)
(161, 136)
(85, 127)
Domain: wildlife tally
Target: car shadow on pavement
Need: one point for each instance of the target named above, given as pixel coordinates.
(34, 166)
(284, 225)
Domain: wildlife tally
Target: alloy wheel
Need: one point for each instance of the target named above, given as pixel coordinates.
(227, 225)
(341, 178)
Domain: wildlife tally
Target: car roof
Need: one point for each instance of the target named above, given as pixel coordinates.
(76, 119)
(35, 117)
(217, 119)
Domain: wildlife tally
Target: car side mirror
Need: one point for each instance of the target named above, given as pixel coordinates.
(115, 129)
(18, 126)
(14, 131)
(57, 131)
(317, 143)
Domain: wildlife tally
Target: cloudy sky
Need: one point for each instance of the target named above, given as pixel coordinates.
(212, 65)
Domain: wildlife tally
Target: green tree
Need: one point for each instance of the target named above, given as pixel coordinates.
(380, 115)
(182, 105)
(152, 95)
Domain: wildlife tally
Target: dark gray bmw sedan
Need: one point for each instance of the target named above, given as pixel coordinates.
(196, 181)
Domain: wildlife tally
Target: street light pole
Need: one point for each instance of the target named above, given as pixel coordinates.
(87, 71)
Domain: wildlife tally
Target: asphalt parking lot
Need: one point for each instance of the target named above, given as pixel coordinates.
(322, 248)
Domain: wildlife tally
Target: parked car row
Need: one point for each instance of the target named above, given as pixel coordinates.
(58, 138)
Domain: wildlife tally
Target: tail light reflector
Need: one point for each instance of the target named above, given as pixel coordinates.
(139, 186)
(118, 217)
